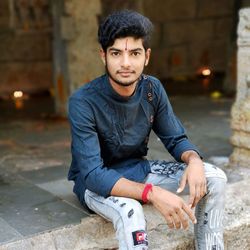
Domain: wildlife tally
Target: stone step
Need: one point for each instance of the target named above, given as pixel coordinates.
(95, 233)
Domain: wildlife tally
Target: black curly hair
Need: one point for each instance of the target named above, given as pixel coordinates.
(123, 24)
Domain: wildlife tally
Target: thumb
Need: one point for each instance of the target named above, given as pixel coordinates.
(182, 185)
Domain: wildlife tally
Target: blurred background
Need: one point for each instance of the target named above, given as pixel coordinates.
(49, 48)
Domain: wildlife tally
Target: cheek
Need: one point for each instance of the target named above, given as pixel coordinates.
(111, 65)
(140, 63)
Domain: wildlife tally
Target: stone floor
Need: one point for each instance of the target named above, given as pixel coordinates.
(35, 196)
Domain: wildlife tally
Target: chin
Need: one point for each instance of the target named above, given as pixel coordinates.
(126, 83)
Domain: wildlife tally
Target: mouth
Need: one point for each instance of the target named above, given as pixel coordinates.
(125, 73)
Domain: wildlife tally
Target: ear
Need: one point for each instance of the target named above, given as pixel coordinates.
(148, 53)
(103, 57)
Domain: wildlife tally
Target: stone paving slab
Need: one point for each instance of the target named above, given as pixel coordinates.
(45, 174)
(7, 232)
(28, 209)
(54, 180)
(63, 189)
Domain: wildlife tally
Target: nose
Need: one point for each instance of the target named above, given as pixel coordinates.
(125, 61)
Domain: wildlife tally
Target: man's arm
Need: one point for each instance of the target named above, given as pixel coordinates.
(85, 149)
(171, 206)
(172, 134)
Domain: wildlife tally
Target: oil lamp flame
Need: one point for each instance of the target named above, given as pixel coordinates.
(18, 94)
(206, 72)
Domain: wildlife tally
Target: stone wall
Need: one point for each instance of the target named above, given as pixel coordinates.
(190, 34)
(241, 110)
(25, 48)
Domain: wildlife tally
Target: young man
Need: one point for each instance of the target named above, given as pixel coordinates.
(111, 118)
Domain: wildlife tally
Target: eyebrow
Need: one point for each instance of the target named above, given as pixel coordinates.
(131, 50)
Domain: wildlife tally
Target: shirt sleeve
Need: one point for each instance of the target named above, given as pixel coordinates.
(168, 127)
(85, 150)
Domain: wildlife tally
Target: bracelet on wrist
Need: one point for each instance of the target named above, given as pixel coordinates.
(148, 187)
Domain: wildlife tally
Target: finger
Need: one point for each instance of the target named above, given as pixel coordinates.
(176, 220)
(183, 219)
(203, 189)
(169, 221)
(197, 195)
(182, 185)
(191, 195)
(200, 192)
(190, 213)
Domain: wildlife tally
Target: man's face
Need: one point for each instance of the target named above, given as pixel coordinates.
(125, 60)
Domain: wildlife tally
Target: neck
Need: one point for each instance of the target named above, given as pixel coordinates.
(125, 91)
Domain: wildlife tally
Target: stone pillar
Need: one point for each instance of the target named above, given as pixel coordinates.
(79, 28)
(75, 47)
(241, 109)
(60, 67)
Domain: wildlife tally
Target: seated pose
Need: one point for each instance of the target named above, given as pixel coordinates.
(111, 119)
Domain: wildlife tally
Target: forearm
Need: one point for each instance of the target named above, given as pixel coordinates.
(126, 188)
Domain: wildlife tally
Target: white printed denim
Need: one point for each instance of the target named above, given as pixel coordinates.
(128, 218)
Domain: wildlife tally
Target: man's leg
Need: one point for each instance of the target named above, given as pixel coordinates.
(127, 217)
(209, 211)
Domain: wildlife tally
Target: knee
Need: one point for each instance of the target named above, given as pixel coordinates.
(211, 171)
(216, 179)
(131, 209)
(216, 186)
(131, 213)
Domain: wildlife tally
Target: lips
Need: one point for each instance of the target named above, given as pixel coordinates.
(125, 73)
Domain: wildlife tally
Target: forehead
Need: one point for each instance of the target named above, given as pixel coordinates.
(127, 42)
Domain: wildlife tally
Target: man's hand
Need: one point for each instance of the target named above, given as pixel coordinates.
(172, 207)
(194, 175)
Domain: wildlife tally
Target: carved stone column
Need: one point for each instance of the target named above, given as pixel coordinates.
(240, 122)
(79, 29)
(75, 47)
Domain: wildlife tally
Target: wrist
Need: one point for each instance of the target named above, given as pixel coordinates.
(150, 195)
(196, 162)
(190, 156)
(146, 193)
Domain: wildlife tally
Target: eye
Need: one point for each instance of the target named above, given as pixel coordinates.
(135, 53)
(115, 53)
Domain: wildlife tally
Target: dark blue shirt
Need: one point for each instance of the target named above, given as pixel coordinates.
(110, 133)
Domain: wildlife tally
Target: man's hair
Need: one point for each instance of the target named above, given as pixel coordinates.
(122, 24)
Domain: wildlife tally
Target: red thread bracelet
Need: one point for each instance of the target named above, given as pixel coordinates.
(145, 191)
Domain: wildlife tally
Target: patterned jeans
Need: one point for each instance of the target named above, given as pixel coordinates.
(128, 218)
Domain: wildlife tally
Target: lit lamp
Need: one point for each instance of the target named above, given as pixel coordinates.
(205, 73)
(18, 99)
